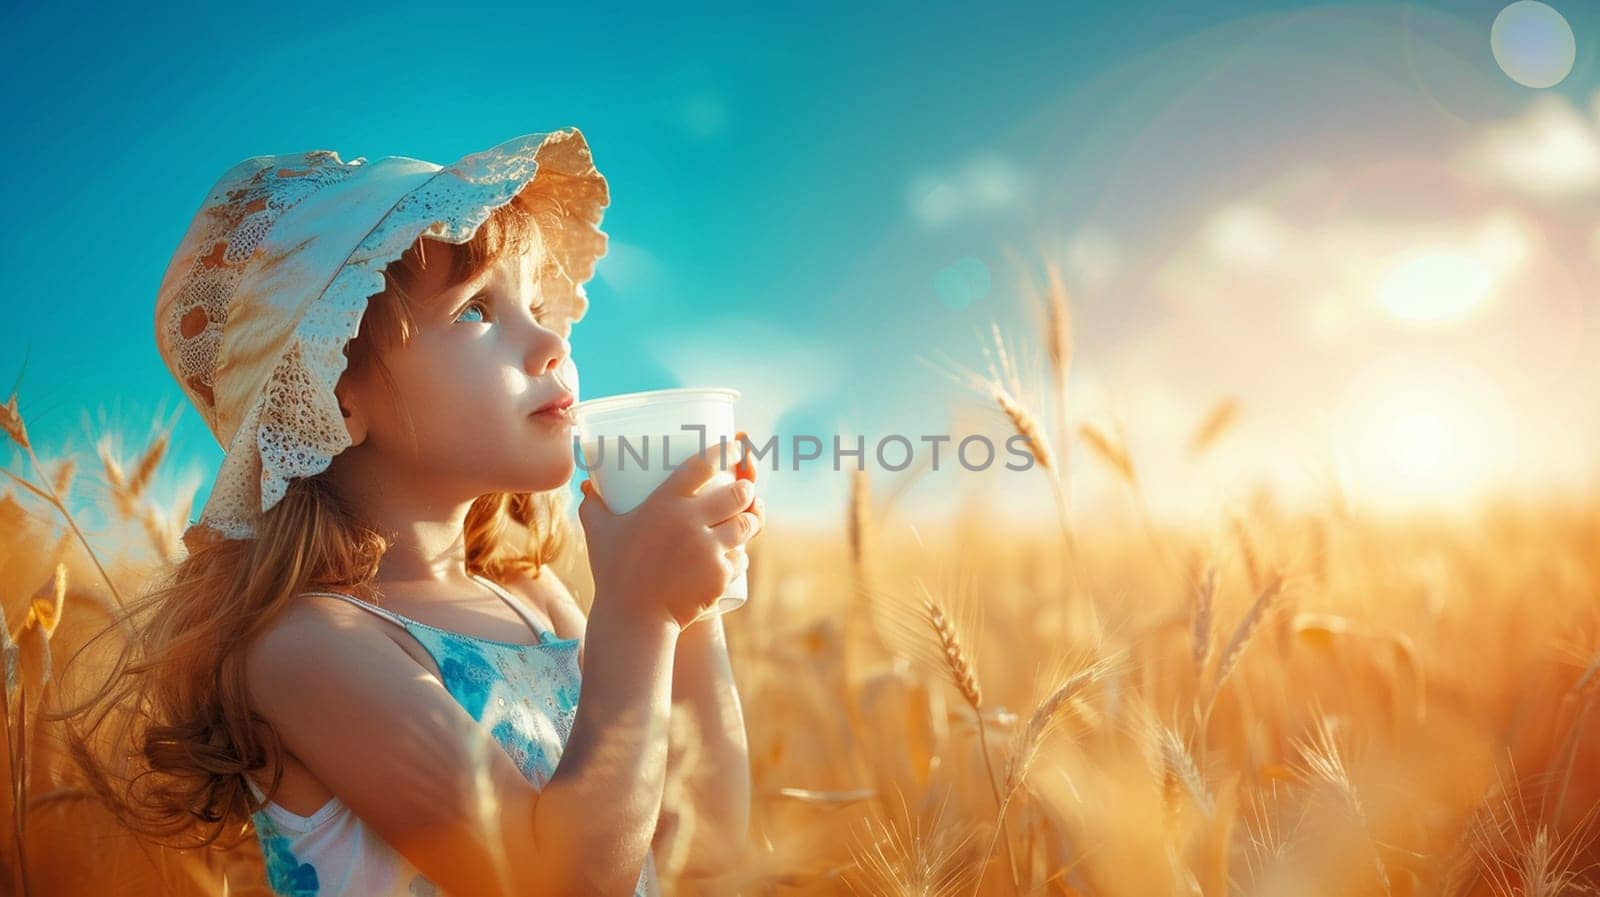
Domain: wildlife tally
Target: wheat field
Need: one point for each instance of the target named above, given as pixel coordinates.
(1275, 703)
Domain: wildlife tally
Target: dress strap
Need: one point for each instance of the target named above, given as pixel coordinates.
(517, 607)
(389, 615)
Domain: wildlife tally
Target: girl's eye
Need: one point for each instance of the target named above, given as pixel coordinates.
(480, 307)
(470, 306)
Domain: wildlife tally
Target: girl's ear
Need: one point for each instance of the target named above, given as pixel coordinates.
(355, 422)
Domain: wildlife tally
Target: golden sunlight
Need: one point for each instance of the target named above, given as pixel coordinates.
(1416, 433)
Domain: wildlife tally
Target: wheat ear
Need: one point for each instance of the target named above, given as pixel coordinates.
(966, 681)
(1241, 640)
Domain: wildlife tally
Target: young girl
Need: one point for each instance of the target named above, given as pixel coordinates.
(365, 654)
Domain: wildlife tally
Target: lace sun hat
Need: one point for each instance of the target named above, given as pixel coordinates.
(274, 273)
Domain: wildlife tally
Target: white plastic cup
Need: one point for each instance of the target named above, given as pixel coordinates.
(653, 425)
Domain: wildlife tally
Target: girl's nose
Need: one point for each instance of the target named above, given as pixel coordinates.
(546, 352)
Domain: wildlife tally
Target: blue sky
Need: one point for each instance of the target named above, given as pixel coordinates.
(807, 205)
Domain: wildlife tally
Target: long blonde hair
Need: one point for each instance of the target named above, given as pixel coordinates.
(175, 688)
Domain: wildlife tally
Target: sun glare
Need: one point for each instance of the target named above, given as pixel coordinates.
(1435, 286)
(1416, 434)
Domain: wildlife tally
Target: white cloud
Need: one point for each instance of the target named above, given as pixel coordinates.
(1324, 279)
(983, 185)
(1448, 275)
(1245, 234)
(1551, 149)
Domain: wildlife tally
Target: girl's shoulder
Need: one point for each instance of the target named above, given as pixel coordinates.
(311, 632)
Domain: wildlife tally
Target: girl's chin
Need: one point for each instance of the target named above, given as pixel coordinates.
(552, 473)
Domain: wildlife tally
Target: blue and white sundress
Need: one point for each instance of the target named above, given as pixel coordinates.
(527, 695)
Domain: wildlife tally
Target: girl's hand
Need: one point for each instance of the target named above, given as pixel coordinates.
(670, 556)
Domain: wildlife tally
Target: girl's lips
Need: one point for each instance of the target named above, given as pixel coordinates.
(554, 413)
(559, 403)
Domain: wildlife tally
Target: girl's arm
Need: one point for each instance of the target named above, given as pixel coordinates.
(703, 687)
(670, 555)
(385, 737)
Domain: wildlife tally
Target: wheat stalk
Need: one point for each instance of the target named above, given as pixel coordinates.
(1247, 552)
(1114, 453)
(965, 676)
(1515, 863)
(1026, 425)
(11, 422)
(1058, 324)
(148, 462)
(1200, 635)
(128, 490)
(914, 862)
(1583, 692)
(856, 530)
(1055, 307)
(1213, 425)
(48, 616)
(10, 654)
(1111, 451)
(1240, 640)
(859, 520)
(1046, 716)
(116, 479)
(1003, 386)
(826, 798)
(1179, 772)
(955, 655)
(62, 481)
(860, 607)
(1321, 760)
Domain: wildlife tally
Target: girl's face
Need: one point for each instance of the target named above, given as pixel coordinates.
(484, 356)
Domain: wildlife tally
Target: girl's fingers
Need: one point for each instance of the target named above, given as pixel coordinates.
(718, 504)
(736, 530)
(746, 468)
